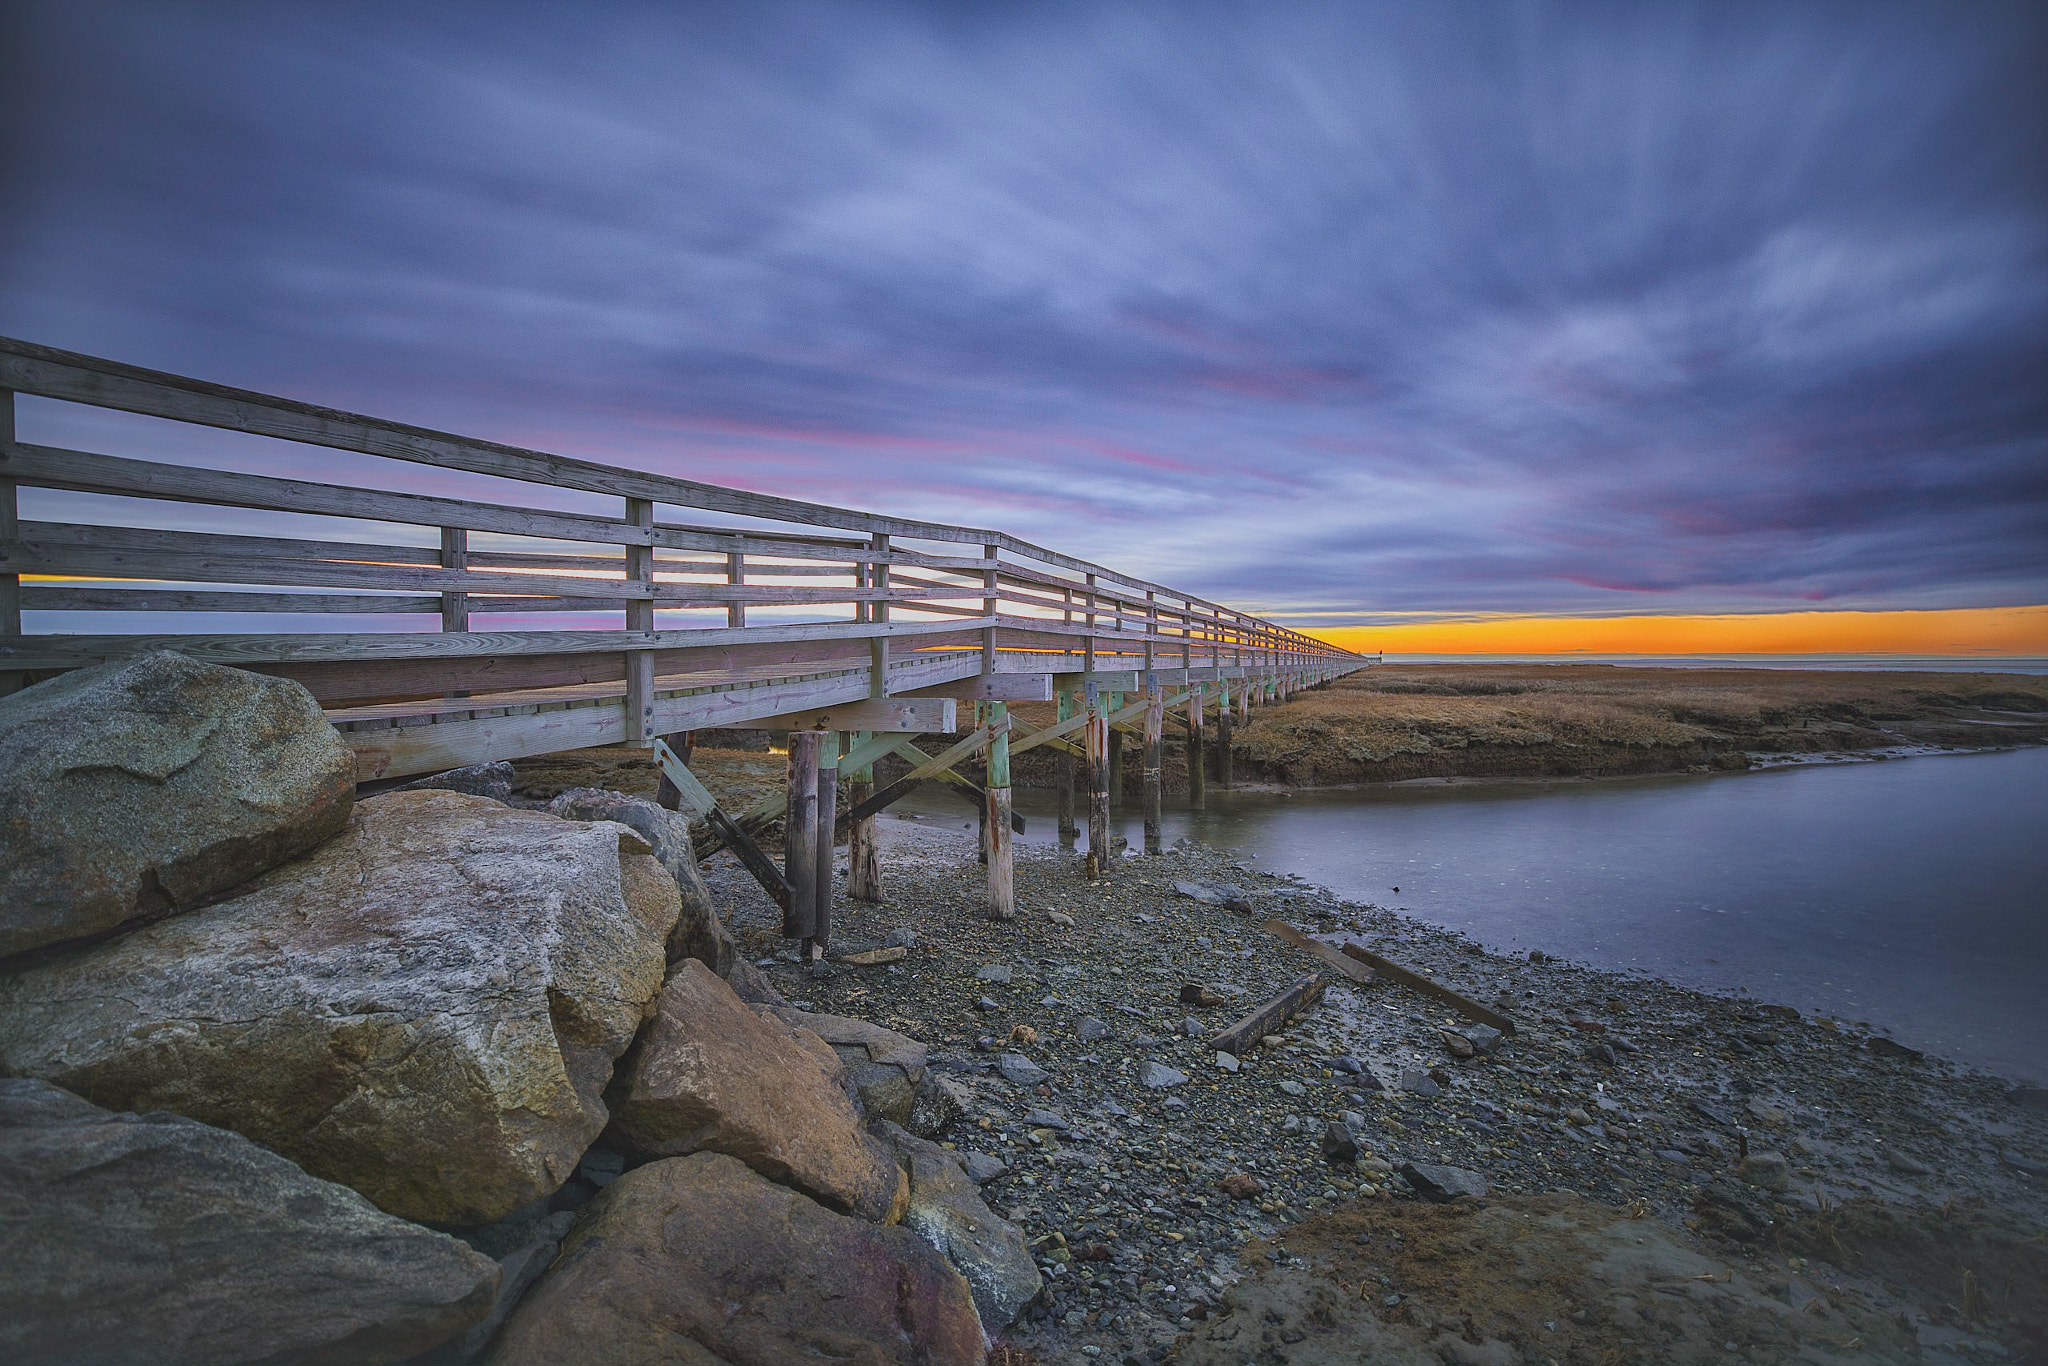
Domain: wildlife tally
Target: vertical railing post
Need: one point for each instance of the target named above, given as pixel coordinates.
(863, 859)
(10, 526)
(640, 618)
(1002, 866)
(1197, 796)
(1155, 755)
(1088, 641)
(454, 555)
(1151, 627)
(1098, 782)
(878, 614)
(989, 602)
(800, 836)
(1063, 791)
(826, 817)
(735, 575)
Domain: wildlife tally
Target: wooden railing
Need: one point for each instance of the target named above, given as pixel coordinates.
(680, 592)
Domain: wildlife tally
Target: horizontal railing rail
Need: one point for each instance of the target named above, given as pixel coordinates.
(898, 578)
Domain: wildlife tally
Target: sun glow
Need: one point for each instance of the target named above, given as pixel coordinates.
(1987, 631)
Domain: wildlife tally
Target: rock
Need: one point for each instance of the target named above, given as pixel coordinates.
(1346, 1064)
(946, 1211)
(711, 1074)
(1216, 894)
(2029, 1097)
(1228, 1062)
(1192, 1028)
(993, 972)
(1340, 1144)
(425, 1009)
(1577, 1116)
(1207, 998)
(140, 789)
(1443, 1184)
(1293, 1088)
(1090, 1030)
(2020, 1162)
(1907, 1165)
(1457, 1045)
(698, 933)
(1603, 1054)
(699, 1261)
(751, 985)
(1019, 1070)
(478, 780)
(1241, 1186)
(884, 1068)
(601, 1166)
(1420, 1083)
(1158, 1076)
(1891, 1048)
(1766, 1171)
(517, 1272)
(1060, 918)
(940, 1101)
(148, 1238)
(981, 1168)
(870, 956)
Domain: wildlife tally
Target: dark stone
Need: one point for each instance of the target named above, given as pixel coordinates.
(1339, 1143)
(1443, 1184)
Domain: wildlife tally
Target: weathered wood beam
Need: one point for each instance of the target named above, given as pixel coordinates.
(1269, 1016)
(1155, 753)
(996, 687)
(1350, 967)
(909, 781)
(897, 714)
(1415, 981)
(1097, 716)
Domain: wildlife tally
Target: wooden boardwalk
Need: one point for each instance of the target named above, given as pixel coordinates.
(518, 602)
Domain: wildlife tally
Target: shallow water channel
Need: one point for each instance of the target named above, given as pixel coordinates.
(1909, 893)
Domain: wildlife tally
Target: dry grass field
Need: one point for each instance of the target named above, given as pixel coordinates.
(1519, 720)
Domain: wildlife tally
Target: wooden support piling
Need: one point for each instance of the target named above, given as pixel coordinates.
(1098, 783)
(1197, 760)
(1225, 765)
(825, 816)
(1002, 888)
(1112, 704)
(863, 860)
(1063, 786)
(800, 835)
(1155, 756)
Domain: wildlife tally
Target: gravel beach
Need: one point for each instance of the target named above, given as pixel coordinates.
(1155, 1180)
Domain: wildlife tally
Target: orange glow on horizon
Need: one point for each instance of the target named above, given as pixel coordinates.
(1987, 631)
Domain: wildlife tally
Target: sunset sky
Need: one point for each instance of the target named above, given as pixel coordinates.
(1653, 326)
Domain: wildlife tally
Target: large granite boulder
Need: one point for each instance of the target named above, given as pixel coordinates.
(131, 791)
(699, 933)
(710, 1075)
(884, 1068)
(426, 1009)
(153, 1238)
(698, 1260)
(947, 1211)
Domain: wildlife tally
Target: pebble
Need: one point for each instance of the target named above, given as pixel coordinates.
(1227, 1061)
(1340, 1144)
(1019, 1070)
(1091, 1029)
(1293, 1087)
(999, 973)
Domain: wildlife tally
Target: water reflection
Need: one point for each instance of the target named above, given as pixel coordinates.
(1908, 893)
